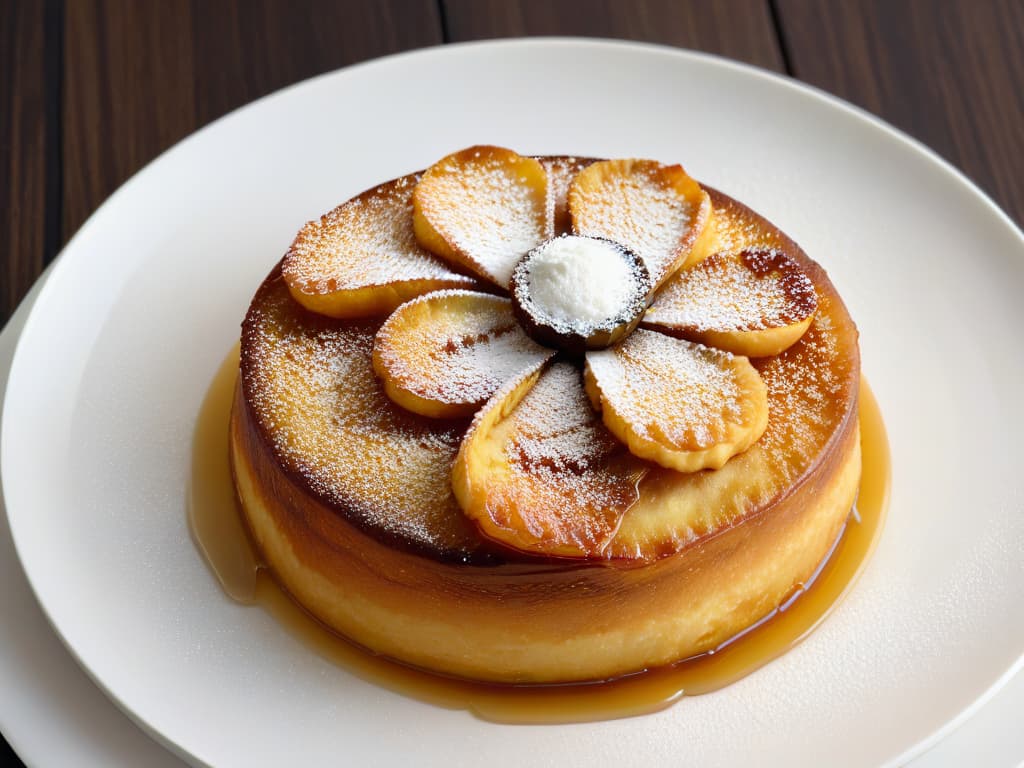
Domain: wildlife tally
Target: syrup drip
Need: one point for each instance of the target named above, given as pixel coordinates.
(221, 535)
(213, 515)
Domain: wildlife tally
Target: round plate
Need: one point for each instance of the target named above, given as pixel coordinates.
(127, 333)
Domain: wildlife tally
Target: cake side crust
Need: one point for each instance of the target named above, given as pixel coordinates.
(547, 623)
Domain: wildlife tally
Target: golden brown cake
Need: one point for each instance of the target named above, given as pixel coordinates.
(453, 459)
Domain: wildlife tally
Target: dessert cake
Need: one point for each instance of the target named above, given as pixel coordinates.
(545, 420)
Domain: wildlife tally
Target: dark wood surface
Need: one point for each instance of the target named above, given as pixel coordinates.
(948, 73)
(25, 94)
(139, 76)
(91, 90)
(739, 29)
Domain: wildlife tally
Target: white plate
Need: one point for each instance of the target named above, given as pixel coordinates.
(50, 712)
(54, 715)
(145, 302)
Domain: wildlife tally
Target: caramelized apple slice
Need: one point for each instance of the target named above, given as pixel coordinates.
(656, 210)
(757, 303)
(483, 208)
(682, 405)
(446, 353)
(362, 258)
(538, 471)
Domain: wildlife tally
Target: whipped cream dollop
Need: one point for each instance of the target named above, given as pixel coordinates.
(581, 282)
(575, 292)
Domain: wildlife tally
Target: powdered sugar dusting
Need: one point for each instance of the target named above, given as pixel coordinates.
(334, 426)
(561, 172)
(812, 392)
(736, 227)
(809, 390)
(812, 386)
(367, 241)
(455, 347)
(637, 208)
(669, 390)
(486, 208)
(746, 291)
(812, 389)
(311, 386)
(569, 478)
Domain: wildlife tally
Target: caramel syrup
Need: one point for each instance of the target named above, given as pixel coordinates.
(223, 539)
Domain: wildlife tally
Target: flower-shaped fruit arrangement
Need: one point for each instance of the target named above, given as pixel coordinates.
(533, 294)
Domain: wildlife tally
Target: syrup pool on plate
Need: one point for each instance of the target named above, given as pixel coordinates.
(221, 536)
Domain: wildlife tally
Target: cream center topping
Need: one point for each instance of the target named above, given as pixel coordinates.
(580, 281)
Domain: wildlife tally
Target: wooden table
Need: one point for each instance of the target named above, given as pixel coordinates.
(90, 91)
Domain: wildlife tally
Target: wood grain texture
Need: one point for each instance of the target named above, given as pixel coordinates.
(948, 73)
(23, 150)
(739, 29)
(141, 76)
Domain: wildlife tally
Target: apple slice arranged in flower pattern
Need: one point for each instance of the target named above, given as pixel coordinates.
(483, 208)
(444, 354)
(655, 210)
(685, 406)
(538, 472)
(553, 460)
(757, 302)
(362, 258)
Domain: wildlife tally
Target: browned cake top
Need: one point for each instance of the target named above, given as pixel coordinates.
(311, 390)
(310, 386)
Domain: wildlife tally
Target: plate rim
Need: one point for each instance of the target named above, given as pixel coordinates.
(59, 270)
